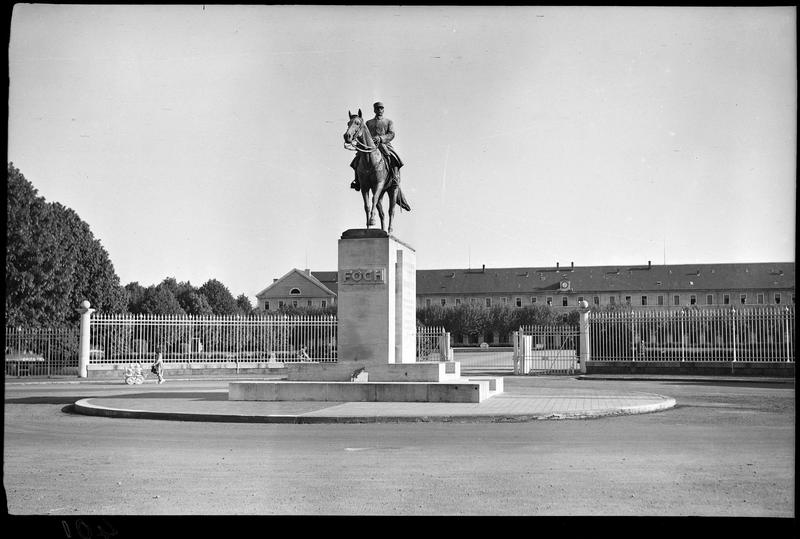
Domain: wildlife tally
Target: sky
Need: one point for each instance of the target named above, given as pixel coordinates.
(205, 142)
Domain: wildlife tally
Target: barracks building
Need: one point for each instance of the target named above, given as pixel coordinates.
(562, 287)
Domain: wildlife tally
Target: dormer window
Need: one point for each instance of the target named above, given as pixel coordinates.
(294, 292)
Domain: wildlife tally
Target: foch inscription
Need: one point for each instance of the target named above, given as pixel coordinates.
(363, 276)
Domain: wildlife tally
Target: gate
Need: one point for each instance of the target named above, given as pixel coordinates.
(551, 349)
(485, 359)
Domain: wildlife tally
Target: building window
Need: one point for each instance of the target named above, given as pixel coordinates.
(549, 301)
(472, 301)
(726, 299)
(444, 302)
(612, 300)
(676, 300)
(428, 302)
(596, 300)
(533, 299)
(792, 299)
(458, 301)
(266, 305)
(294, 292)
(661, 300)
(644, 300)
(777, 299)
(488, 302)
(692, 300)
(760, 299)
(280, 304)
(742, 298)
(294, 303)
(505, 301)
(324, 303)
(627, 300)
(709, 299)
(309, 303)
(518, 301)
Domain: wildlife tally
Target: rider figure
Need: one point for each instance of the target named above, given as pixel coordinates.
(382, 131)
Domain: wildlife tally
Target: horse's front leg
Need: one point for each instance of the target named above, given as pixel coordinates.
(376, 197)
(367, 213)
(392, 201)
(379, 207)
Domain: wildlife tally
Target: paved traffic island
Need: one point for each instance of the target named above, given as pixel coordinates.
(214, 406)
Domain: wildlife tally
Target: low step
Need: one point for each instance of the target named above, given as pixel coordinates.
(458, 391)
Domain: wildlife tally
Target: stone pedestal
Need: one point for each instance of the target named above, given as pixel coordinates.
(376, 299)
(376, 338)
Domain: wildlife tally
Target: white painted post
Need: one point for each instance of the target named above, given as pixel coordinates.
(733, 317)
(516, 359)
(786, 333)
(444, 347)
(83, 358)
(583, 309)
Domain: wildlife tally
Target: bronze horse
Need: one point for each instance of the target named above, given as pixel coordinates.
(373, 171)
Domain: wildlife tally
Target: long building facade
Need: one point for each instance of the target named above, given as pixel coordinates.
(562, 287)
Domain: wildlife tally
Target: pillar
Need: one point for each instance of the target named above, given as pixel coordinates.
(85, 338)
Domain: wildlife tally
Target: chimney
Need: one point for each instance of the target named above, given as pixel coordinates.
(557, 265)
(572, 265)
(483, 269)
(308, 271)
(274, 280)
(649, 264)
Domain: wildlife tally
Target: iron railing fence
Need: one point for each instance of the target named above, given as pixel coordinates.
(755, 334)
(130, 338)
(429, 343)
(41, 351)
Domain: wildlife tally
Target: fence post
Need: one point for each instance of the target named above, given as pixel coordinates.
(516, 359)
(733, 318)
(83, 359)
(786, 332)
(583, 337)
(444, 347)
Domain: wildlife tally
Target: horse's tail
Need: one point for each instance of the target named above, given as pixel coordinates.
(401, 200)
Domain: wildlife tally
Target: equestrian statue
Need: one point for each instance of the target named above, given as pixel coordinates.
(376, 164)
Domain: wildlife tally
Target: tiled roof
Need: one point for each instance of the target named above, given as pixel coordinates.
(588, 279)
(608, 278)
(310, 277)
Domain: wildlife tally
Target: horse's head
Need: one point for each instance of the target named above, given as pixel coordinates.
(355, 127)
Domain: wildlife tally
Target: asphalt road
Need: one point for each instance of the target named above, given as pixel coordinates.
(727, 449)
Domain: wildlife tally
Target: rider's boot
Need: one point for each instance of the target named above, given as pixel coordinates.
(355, 185)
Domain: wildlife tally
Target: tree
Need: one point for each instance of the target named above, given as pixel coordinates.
(159, 300)
(53, 261)
(219, 297)
(244, 305)
(195, 303)
(136, 294)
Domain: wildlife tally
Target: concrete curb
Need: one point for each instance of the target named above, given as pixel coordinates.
(85, 407)
(685, 378)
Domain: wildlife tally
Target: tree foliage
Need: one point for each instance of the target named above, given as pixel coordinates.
(219, 298)
(53, 261)
(244, 305)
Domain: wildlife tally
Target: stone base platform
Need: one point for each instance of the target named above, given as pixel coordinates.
(472, 389)
(434, 371)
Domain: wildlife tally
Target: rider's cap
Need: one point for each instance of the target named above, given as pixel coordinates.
(378, 104)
